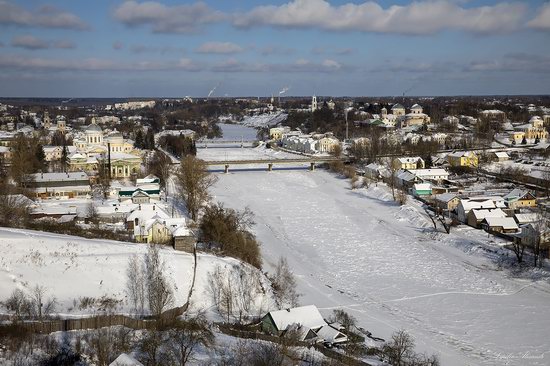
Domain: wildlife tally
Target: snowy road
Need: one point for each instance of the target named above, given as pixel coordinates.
(384, 264)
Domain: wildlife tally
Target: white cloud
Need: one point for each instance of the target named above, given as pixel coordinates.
(298, 66)
(16, 62)
(542, 20)
(46, 17)
(219, 47)
(167, 19)
(416, 18)
(32, 43)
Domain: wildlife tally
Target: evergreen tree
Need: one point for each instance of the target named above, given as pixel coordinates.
(139, 139)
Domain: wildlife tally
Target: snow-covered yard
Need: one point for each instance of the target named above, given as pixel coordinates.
(384, 264)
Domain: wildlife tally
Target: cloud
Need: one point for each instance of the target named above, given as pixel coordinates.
(167, 19)
(117, 45)
(276, 50)
(542, 20)
(46, 17)
(299, 66)
(231, 65)
(32, 43)
(220, 48)
(513, 62)
(416, 18)
(154, 49)
(15, 62)
(332, 50)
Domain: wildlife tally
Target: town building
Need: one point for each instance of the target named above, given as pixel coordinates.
(415, 162)
(463, 159)
(60, 185)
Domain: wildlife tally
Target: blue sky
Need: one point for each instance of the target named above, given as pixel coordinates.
(173, 48)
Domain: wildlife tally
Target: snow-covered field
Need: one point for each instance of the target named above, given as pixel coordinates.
(385, 265)
(71, 268)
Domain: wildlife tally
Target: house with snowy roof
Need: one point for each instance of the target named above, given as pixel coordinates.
(463, 159)
(505, 225)
(479, 202)
(305, 322)
(519, 198)
(446, 201)
(476, 216)
(414, 162)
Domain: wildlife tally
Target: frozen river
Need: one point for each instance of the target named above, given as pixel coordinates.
(384, 264)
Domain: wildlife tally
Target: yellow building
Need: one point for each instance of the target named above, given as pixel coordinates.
(327, 144)
(519, 199)
(409, 163)
(532, 131)
(463, 159)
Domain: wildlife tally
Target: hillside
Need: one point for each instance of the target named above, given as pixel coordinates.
(71, 268)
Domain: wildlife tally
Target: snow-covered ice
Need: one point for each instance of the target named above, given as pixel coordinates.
(383, 263)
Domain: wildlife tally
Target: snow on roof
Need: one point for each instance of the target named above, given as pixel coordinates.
(429, 172)
(59, 177)
(422, 187)
(506, 223)
(397, 106)
(412, 159)
(146, 212)
(445, 197)
(460, 154)
(481, 214)
(525, 218)
(468, 204)
(501, 154)
(308, 316)
(515, 194)
(125, 360)
(416, 106)
(330, 334)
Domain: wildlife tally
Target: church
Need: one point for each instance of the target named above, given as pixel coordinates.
(94, 147)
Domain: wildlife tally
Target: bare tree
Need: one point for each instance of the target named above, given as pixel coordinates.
(392, 174)
(14, 209)
(18, 303)
(135, 283)
(518, 247)
(42, 307)
(159, 291)
(540, 240)
(194, 181)
(284, 285)
(186, 336)
(160, 165)
(400, 349)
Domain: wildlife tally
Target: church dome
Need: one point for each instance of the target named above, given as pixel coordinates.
(93, 128)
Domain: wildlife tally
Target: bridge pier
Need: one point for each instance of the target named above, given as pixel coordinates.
(311, 167)
(226, 170)
(270, 167)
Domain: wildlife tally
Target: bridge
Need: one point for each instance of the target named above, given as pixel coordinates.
(206, 143)
(270, 162)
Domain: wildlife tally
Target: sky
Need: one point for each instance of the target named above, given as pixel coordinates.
(168, 48)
